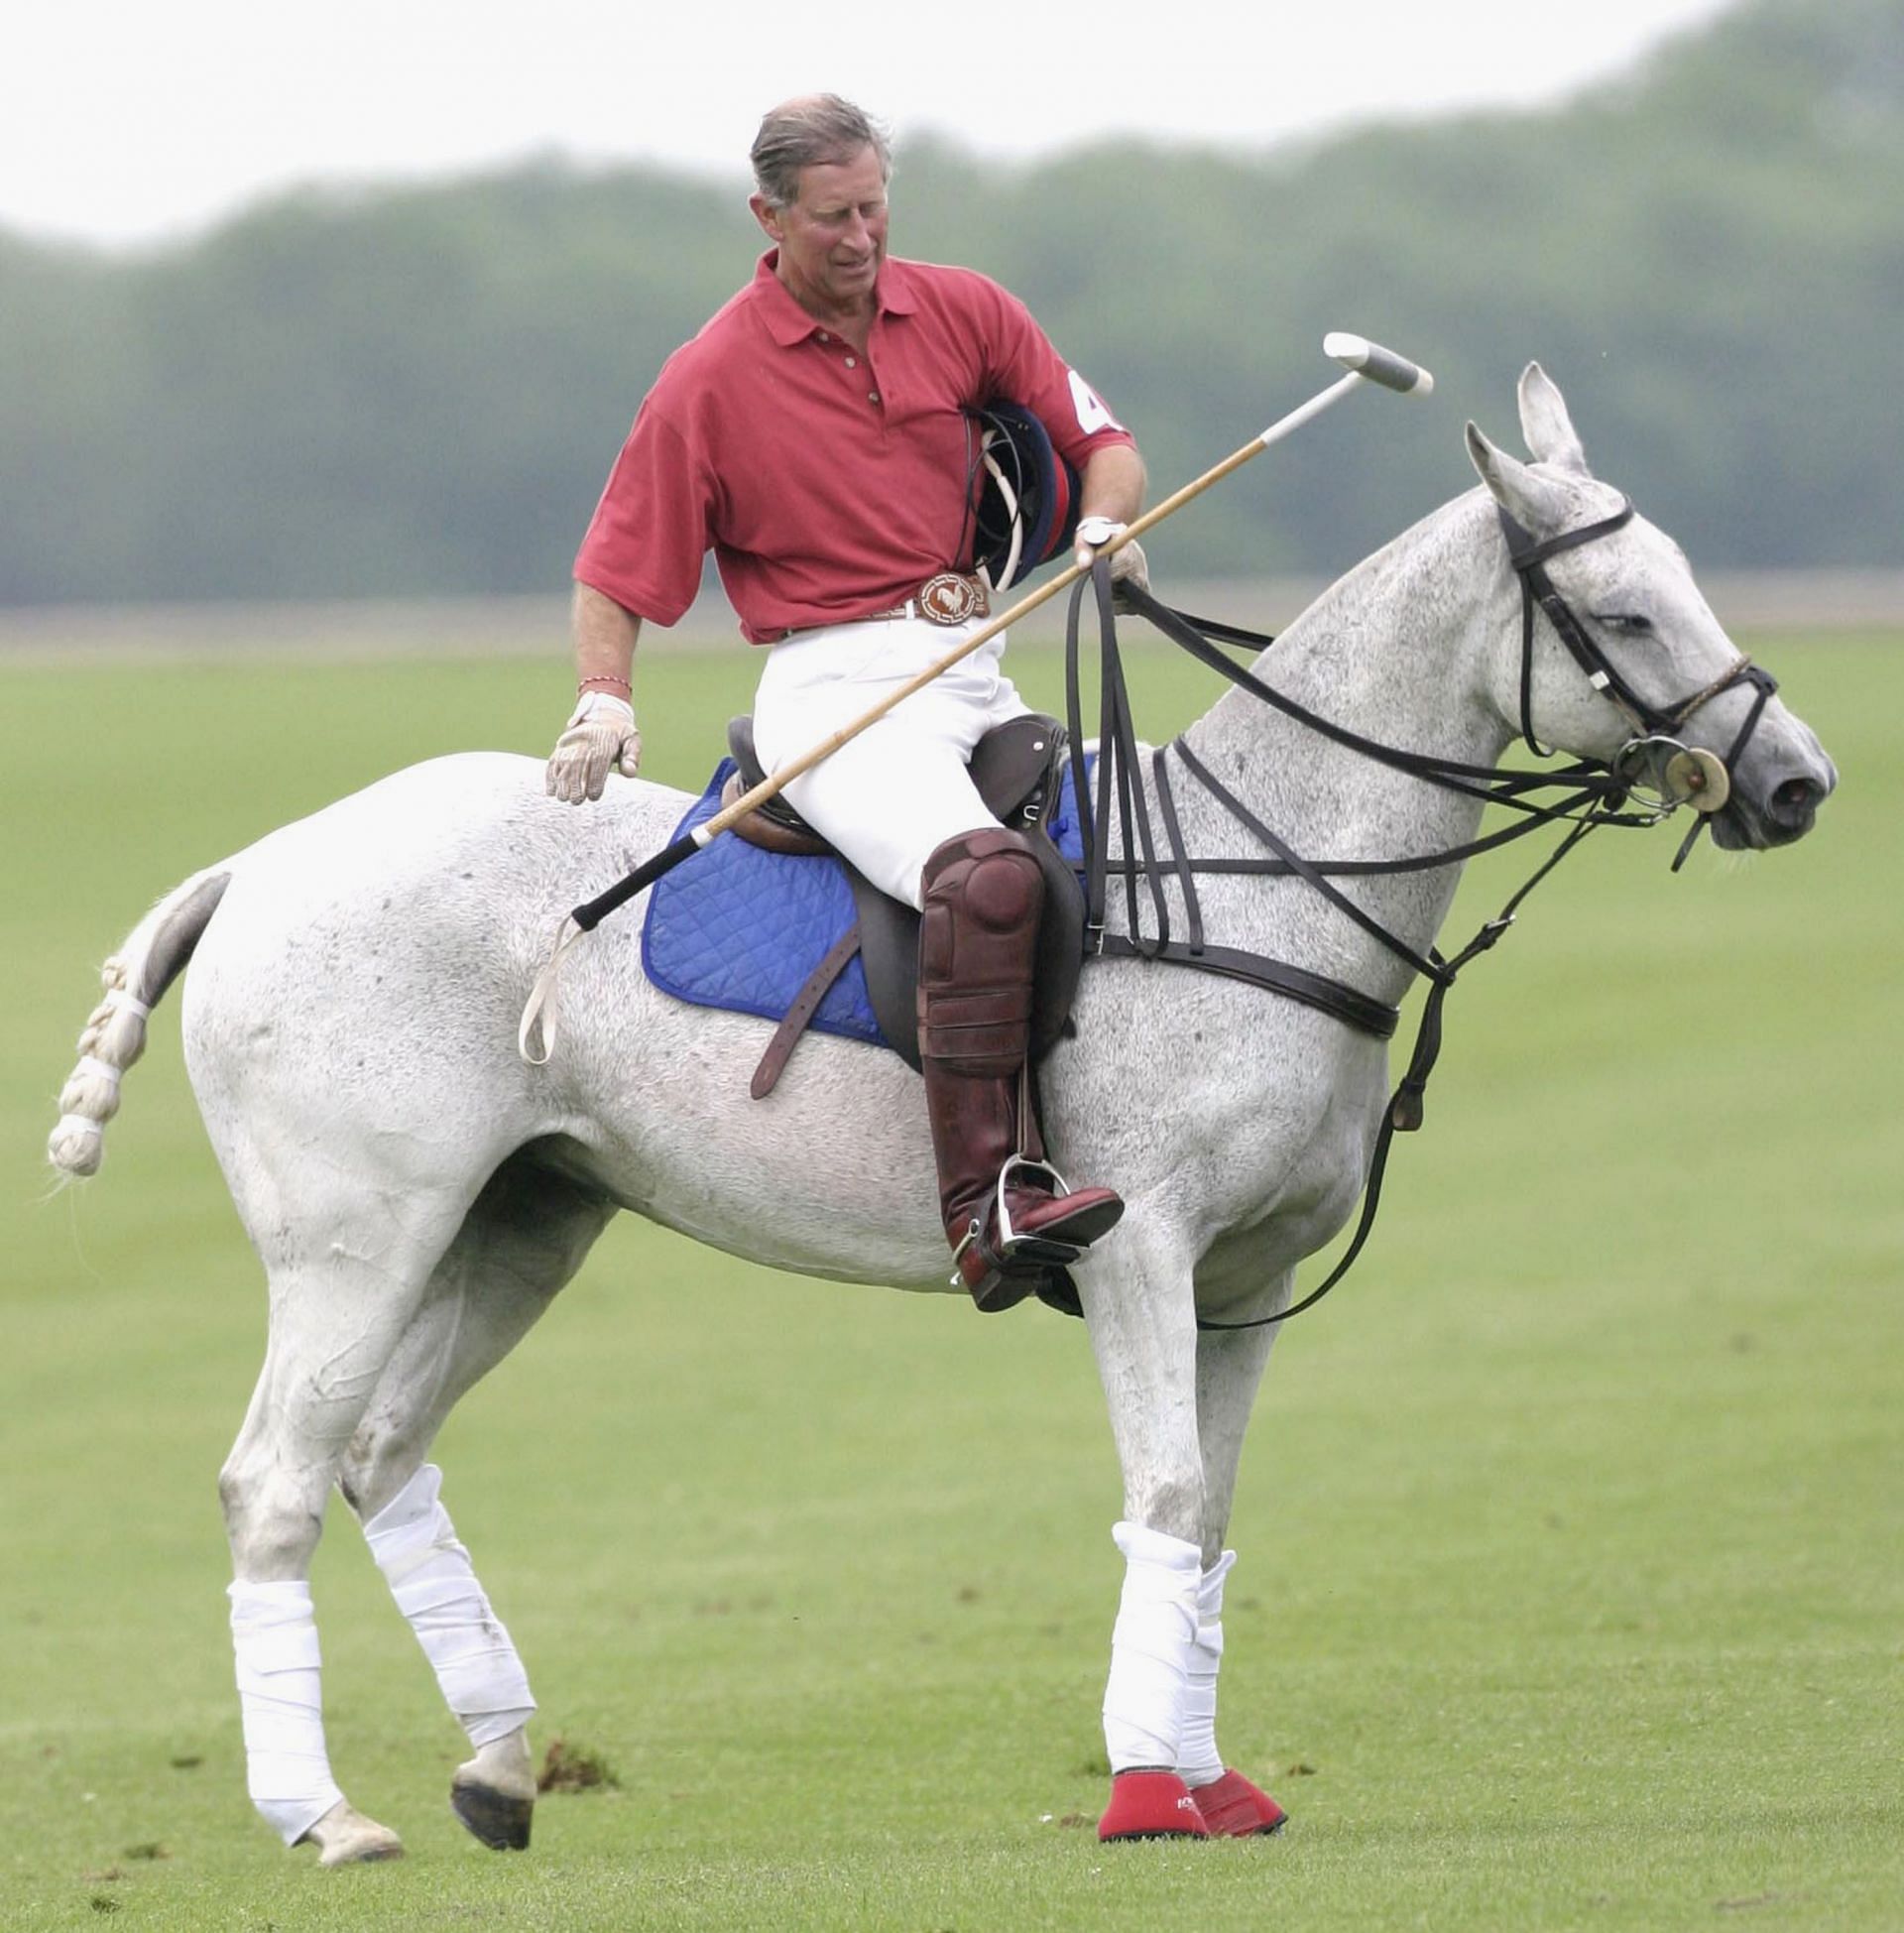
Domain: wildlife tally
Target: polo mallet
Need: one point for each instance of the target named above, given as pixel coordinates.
(1366, 361)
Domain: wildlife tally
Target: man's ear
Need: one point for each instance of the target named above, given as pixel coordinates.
(766, 215)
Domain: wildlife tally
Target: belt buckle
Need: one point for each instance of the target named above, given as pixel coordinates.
(950, 599)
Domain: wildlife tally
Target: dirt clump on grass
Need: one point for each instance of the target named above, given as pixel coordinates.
(575, 1768)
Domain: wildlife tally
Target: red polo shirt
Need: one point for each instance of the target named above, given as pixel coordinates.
(828, 484)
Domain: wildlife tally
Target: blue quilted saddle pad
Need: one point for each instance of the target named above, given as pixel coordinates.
(743, 929)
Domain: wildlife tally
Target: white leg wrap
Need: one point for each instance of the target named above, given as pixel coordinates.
(1143, 1702)
(1199, 1762)
(429, 1575)
(273, 1633)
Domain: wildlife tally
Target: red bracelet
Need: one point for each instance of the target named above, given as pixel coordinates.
(620, 686)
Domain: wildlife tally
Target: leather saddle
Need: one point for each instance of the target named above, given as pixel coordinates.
(1015, 768)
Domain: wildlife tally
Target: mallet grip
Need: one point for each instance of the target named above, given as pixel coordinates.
(592, 913)
(1379, 365)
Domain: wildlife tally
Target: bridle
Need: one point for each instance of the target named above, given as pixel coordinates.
(1595, 793)
(1656, 731)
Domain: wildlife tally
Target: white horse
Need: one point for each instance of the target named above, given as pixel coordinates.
(418, 1193)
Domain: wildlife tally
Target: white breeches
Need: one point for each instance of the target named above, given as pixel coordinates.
(888, 797)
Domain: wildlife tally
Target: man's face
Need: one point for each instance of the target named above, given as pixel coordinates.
(832, 235)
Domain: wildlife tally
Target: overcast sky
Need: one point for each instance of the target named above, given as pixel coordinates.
(136, 120)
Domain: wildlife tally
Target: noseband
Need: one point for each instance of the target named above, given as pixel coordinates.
(1652, 726)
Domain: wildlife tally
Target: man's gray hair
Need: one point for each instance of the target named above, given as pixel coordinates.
(816, 128)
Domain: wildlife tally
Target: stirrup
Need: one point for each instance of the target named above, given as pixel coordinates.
(1018, 1254)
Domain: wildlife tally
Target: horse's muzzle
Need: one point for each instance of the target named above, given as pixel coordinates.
(1752, 820)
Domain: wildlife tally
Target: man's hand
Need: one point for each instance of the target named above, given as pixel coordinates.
(601, 738)
(1128, 564)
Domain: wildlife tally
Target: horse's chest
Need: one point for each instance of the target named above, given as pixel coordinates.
(1251, 1112)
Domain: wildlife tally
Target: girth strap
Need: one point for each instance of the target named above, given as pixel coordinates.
(806, 1003)
(1355, 1009)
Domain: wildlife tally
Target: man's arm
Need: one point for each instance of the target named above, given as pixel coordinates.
(1113, 483)
(1110, 494)
(605, 639)
(601, 735)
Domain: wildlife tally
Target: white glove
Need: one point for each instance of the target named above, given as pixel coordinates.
(601, 738)
(1127, 564)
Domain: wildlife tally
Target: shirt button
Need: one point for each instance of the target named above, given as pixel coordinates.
(850, 362)
(824, 337)
(872, 396)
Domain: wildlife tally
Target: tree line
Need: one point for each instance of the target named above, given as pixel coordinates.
(419, 390)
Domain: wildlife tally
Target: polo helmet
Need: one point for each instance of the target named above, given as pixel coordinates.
(1026, 506)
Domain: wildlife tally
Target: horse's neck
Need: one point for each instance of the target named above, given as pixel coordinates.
(1396, 651)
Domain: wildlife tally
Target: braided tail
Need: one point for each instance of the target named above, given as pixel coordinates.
(114, 1037)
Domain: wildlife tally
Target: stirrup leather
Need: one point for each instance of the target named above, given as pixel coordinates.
(1018, 1254)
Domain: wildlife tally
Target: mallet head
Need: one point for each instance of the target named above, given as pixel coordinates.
(1379, 365)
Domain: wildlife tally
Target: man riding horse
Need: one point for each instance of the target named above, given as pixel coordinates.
(816, 436)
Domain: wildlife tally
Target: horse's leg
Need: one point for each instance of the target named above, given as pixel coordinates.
(337, 1308)
(1137, 1301)
(1229, 1365)
(524, 1239)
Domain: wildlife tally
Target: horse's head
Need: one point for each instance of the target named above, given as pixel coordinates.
(1617, 656)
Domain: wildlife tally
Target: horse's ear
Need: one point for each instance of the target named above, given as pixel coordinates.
(1545, 425)
(1538, 504)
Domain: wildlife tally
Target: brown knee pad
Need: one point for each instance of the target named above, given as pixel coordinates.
(984, 895)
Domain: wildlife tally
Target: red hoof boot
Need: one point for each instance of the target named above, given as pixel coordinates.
(1151, 1805)
(1233, 1808)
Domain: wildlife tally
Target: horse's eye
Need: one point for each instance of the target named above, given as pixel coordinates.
(1631, 623)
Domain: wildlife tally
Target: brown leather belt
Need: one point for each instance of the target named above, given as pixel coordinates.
(949, 598)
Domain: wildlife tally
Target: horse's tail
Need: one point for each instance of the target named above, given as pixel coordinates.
(135, 978)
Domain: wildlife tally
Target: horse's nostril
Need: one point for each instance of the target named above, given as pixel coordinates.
(1795, 803)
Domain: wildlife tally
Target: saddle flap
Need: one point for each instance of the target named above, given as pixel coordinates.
(1011, 764)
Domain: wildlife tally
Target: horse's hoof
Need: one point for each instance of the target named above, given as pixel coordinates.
(493, 1795)
(1233, 1808)
(1151, 1805)
(345, 1837)
(499, 1820)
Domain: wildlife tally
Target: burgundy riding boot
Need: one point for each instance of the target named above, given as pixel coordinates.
(1008, 1215)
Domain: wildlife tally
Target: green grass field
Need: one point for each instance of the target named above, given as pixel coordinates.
(1571, 1591)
